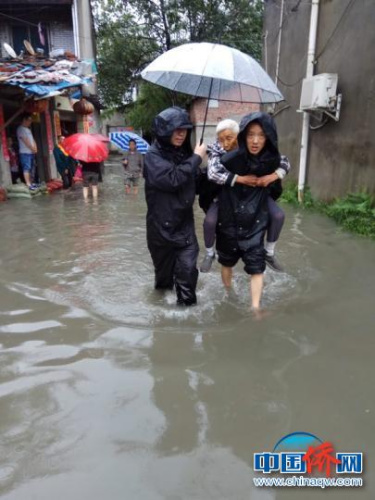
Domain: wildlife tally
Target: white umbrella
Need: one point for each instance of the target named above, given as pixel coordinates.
(208, 69)
(213, 71)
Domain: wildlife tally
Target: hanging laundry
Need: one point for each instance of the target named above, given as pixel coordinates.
(42, 38)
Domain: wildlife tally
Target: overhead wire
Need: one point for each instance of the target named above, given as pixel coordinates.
(346, 10)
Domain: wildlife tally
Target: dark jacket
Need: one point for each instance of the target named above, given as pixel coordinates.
(64, 162)
(243, 214)
(170, 182)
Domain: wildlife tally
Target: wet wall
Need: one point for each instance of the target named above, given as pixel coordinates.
(341, 155)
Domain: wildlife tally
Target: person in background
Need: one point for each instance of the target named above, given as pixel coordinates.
(133, 167)
(65, 164)
(13, 161)
(27, 149)
(90, 174)
(171, 174)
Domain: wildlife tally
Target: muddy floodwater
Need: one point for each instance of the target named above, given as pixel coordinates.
(108, 390)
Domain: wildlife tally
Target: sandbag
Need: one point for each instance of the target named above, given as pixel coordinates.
(20, 194)
(17, 188)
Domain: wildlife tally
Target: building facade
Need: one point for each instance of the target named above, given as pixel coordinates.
(340, 155)
(40, 33)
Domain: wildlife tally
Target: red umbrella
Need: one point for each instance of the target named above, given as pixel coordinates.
(101, 137)
(86, 147)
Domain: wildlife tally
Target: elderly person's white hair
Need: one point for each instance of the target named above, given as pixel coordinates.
(227, 124)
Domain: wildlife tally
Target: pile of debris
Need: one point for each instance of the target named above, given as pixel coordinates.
(41, 76)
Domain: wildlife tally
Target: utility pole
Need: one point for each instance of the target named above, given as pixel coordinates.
(306, 117)
(84, 40)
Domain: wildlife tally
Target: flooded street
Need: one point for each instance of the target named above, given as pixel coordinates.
(109, 390)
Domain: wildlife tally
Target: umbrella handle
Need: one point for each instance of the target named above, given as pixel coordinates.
(205, 115)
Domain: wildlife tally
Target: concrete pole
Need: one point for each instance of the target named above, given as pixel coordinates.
(306, 117)
(279, 42)
(84, 36)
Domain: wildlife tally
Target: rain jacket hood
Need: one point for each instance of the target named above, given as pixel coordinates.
(169, 120)
(269, 127)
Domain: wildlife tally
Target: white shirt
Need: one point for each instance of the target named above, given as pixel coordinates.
(24, 133)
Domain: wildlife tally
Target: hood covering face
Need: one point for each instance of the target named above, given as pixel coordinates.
(269, 127)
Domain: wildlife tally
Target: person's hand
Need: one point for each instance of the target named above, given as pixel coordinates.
(265, 180)
(34, 149)
(66, 171)
(200, 149)
(248, 180)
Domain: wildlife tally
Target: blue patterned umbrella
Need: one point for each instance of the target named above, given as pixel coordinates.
(122, 139)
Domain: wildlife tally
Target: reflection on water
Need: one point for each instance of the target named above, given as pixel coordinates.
(108, 390)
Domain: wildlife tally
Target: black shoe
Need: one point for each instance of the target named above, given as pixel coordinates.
(274, 264)
(207, 263)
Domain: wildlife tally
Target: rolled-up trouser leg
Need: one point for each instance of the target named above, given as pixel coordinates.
(163, 258)
(186, 274)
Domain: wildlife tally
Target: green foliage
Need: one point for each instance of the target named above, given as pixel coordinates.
(151, 100)
(290, 193)
(122, 51)
(130, 34)
(354, 212)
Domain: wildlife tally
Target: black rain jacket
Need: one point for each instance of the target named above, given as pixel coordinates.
(170, 182)
(243, 213)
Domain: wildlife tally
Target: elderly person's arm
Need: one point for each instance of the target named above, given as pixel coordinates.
(279, 173)
(216, 172)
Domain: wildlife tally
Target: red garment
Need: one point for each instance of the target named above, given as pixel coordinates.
(13, 160)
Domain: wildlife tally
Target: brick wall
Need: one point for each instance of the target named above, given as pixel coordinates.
(225, 109)
(61, 36)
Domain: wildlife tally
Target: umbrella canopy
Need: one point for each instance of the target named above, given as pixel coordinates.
(100, 137)
(85, 147)
(213, 71)
(122, 139)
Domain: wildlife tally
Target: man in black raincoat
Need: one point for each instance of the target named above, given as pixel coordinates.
(243, 213)
(171, 170)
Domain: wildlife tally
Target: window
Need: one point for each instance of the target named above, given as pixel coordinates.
(30, 33)
(214, 103)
